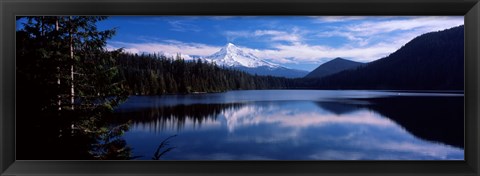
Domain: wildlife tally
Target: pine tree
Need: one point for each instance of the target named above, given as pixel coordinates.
(65, 69)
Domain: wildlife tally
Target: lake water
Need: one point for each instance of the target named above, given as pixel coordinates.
(297, 125)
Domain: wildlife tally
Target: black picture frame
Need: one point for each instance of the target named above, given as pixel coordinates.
(10, 8)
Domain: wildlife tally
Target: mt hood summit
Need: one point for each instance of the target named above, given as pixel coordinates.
(231, 56)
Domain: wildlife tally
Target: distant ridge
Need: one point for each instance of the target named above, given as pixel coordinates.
(333, 66)
(432, 61)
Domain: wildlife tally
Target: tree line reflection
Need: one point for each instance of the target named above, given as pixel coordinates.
(161, 118)
(430, 118)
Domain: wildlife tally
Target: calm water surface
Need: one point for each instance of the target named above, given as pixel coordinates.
(297, 125)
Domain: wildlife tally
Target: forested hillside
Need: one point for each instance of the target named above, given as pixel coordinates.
(151, 74)
(432, 61)
(333, 66)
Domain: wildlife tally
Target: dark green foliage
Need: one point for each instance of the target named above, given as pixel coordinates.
(110, 145)
(333, 66)
(60, 59)
(158, 74)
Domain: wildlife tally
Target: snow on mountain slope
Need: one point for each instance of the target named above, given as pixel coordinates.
(233, 56)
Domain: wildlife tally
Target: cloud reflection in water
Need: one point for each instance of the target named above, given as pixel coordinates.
(292, 130)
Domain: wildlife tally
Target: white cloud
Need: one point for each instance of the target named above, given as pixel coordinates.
(281, 53)
(167, 47)
(278, 35)
(420, 24)
(387, 29)
(270, 35)
(316, 53)
(369, 38)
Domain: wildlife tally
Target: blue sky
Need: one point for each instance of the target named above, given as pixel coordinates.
(300, 42)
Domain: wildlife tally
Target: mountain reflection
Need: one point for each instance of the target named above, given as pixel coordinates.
(431, 119)
(260, 113)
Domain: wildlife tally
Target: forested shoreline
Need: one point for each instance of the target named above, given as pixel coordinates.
(152, 74)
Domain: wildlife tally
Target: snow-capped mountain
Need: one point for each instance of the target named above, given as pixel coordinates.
(233, 56)
(241, 59)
